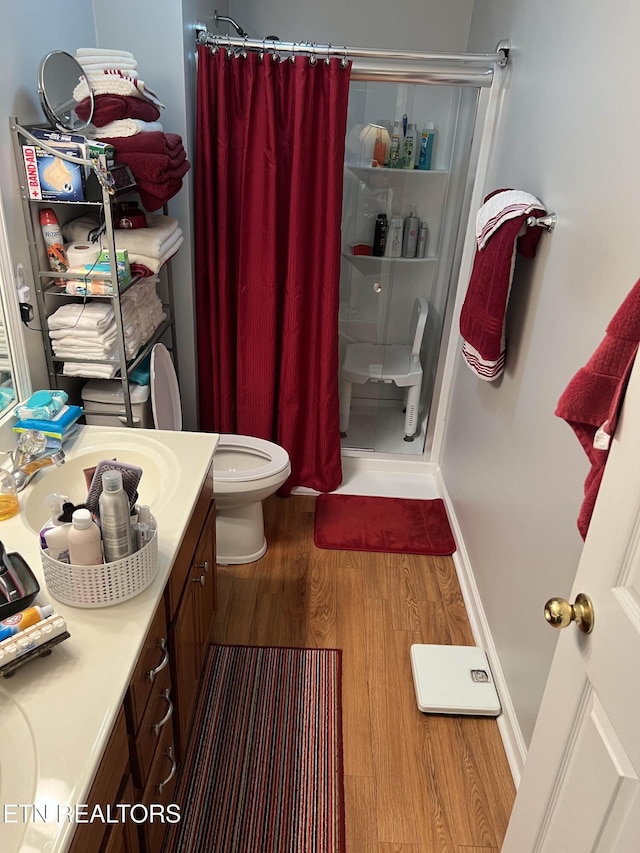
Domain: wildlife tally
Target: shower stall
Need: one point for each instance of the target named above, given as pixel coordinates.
(378, 292)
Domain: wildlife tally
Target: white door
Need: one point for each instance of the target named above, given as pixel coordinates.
(580, 790)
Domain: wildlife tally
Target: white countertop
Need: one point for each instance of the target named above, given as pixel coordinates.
(70, 699)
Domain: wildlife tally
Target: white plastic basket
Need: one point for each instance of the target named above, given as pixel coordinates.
(101, 586)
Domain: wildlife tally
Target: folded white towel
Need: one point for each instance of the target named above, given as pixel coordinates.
(122, 127)
(152, 240)
(80, 335)
(122, 84)
(102, 51)
(155, 264)
(99, 371)
(105, 342)
(86, 352)
(105, 65)
(91, 315)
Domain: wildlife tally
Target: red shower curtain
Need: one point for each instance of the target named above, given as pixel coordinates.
(268, 202)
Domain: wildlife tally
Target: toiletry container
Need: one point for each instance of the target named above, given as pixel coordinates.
(103, 404)
(380, 235)
(421, 251)
(85, 547)
(397, 146)
(393, 248)
(426, 146)
(408, 161)
(115, 517)
(52, 234)
(410, 235)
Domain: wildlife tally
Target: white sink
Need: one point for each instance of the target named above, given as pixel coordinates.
(18, 769)
(160, 468)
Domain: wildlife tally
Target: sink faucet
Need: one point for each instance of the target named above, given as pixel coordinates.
(29, 457)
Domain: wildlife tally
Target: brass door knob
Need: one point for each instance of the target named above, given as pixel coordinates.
(559, 613)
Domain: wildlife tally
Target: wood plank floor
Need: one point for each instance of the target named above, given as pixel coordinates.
(414, 783)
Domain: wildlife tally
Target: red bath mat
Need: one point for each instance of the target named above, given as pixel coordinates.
(395, 525)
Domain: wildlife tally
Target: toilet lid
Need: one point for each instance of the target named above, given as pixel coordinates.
(165, 392)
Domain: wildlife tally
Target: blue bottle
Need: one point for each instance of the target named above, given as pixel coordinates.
(426, 146)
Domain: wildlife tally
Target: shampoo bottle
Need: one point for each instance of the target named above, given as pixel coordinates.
(408, 161)
(397, 143)
(85, 548)
(410, 239)
(25, 619)
(380, 235)
(115, 517)
(393, 249)
(426, 146)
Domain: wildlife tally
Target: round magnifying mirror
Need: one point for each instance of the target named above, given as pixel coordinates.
(59, 75)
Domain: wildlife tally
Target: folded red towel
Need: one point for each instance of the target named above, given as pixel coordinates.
(592, 400)
(482, 319)
(152, 142)
(114, 107)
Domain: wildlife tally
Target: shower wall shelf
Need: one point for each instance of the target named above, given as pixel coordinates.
(365, 263)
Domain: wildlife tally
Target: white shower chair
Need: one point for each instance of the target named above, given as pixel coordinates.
(398, 363)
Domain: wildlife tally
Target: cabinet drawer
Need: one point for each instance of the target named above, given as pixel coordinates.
(105, 789)
(158, 714)
(154, 659)
(161, 788)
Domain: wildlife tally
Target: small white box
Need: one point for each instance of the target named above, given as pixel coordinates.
(453, 680)
(103, 404)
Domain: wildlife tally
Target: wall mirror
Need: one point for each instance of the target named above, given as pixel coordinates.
(58, 77)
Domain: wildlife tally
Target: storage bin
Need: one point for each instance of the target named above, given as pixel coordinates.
(103, 403)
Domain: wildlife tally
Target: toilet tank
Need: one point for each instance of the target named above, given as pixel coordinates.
(103, 403)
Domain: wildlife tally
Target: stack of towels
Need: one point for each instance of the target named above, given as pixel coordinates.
(126, 113)
(88, 330)
(149, 248)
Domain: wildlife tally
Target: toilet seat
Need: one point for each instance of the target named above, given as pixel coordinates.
(165, 391)
(276, 459)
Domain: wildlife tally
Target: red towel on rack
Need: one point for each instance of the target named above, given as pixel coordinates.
(592, 400)
(109, 108)
(501, 230)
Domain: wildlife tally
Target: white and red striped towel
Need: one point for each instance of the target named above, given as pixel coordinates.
(501, 230)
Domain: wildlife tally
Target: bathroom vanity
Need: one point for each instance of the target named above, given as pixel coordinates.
(105, 719)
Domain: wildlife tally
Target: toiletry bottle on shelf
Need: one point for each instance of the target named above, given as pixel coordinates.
(426, 146)
(408, 161)
(410, 238)
(393, 248)
(397, 142)
(421, 251)
(115, 517)
(52, 234)
(85, 548)
(24, 619)
(380, 146)
(55, 504)
(380, 235)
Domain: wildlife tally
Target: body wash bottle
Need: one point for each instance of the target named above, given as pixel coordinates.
(397, 143)
(426, 146)
(85, 548)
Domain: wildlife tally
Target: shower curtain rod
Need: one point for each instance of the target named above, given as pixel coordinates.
(326, 51)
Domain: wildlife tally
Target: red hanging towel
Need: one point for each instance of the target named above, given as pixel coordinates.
(501, 229)
(592, 400)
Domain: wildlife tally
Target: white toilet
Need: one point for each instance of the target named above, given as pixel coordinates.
(246, 470)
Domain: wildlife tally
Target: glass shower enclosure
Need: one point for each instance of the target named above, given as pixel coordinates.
(380, 379)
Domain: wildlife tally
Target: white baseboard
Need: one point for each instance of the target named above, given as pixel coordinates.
(510, 732)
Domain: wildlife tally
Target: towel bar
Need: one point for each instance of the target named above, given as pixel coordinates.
(549, 221)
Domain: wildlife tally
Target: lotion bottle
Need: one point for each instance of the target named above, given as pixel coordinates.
(115, 517)
(85, 548)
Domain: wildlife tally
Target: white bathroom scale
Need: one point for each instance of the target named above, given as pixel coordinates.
(165, 391)
(453, 680)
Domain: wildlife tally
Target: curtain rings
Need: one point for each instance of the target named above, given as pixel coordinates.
(261, 54)
(292, 57)
(344, 62)
(313, 59)
(328, 59)
(243, 52)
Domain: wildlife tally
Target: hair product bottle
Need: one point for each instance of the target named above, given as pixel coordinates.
(421, 251)
(52, 234)
(408, 161)
(426, 146)
(393, 248)
(397, 144)
(85, 548)
(410, 239)
(380, 235)
(115, 517)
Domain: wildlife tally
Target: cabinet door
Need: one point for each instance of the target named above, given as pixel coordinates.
(185, 654)
(204, 574)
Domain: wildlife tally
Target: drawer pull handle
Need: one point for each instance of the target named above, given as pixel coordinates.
(174, 765)
(201, 580)
(157, 726)
(204, 565)
(162, 644)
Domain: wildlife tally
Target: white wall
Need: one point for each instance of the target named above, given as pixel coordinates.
(568, 133)
(405, 25)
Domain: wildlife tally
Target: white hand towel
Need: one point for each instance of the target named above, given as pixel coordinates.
(102, 51)
(70, 340)
(83, 334)
(150, 240)
(123, 127)
(99, 371)
(155, 264)
(92, 315)
(98, 67)
(116, 85)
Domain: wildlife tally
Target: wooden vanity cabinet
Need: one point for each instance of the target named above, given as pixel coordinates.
(151, 735)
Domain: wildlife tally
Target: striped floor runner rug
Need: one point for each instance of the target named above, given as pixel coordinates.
(263, 770)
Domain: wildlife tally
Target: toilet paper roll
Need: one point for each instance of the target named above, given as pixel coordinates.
(81, 253)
